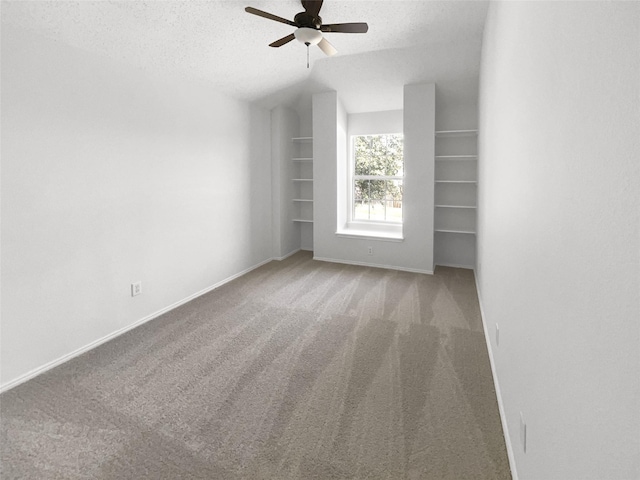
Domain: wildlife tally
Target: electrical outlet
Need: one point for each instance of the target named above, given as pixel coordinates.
(497, 335)
(369, 250)
(136, 289)
(523, 433)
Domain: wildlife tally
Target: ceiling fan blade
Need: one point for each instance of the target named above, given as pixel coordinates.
(327, 48)
(260, 13)
(312, 6)
(282, 41)
(359, 27)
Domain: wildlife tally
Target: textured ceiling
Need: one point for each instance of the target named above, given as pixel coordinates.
(407, 42)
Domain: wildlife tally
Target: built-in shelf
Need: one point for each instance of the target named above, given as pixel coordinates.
(456, 133)
(302, 170)
(464, 232)
(455, 206)
(456, 181)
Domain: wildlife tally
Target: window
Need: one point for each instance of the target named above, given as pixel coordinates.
(377, 178)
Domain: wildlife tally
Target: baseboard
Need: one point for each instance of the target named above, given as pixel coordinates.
(375, 265)
(496, 383)
(287, 255)
(54, 363)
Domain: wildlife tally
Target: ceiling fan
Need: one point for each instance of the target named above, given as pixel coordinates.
(309, 27)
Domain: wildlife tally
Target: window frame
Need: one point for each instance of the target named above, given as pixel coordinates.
(368, 224)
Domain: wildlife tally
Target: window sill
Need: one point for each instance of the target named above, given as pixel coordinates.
(390, 233)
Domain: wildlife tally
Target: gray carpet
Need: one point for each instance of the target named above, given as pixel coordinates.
(299, 369)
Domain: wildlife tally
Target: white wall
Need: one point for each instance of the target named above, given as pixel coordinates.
(286, 234)
(325, 153)
(375, 123)
(456, 112)
(305, 115)
(419, 159)
(110, 176)
(559, 231)
(330, 131)
(306, 237)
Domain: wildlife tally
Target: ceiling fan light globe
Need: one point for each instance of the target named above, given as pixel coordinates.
(307, 35)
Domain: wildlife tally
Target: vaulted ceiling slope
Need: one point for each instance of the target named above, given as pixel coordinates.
(216, 41)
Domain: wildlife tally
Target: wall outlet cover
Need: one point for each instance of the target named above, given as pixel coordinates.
(136, 288)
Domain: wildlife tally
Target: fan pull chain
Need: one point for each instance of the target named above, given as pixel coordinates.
(307, 54)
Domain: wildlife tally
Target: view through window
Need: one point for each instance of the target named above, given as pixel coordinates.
(378, 172)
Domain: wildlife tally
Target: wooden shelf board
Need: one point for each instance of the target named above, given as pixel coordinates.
(464, 232)
(302, 220)
(302, 139)
(455, 206)
(456, 157)
(456, 133)
(302, 179)
(456, 181)
(302, 159)
(304, 200)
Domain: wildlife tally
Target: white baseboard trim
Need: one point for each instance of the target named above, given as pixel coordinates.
(287, 255)
(375, 265)
(54, 363)
(503, 418)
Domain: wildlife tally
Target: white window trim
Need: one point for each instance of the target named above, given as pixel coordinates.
(390, 231)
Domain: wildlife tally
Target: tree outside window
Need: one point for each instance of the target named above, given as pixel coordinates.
(378, 178)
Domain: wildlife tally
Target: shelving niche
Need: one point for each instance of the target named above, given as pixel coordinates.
(303, 179)
(456, 179)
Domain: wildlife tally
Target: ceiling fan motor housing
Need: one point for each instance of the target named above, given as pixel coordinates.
(308, 20)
